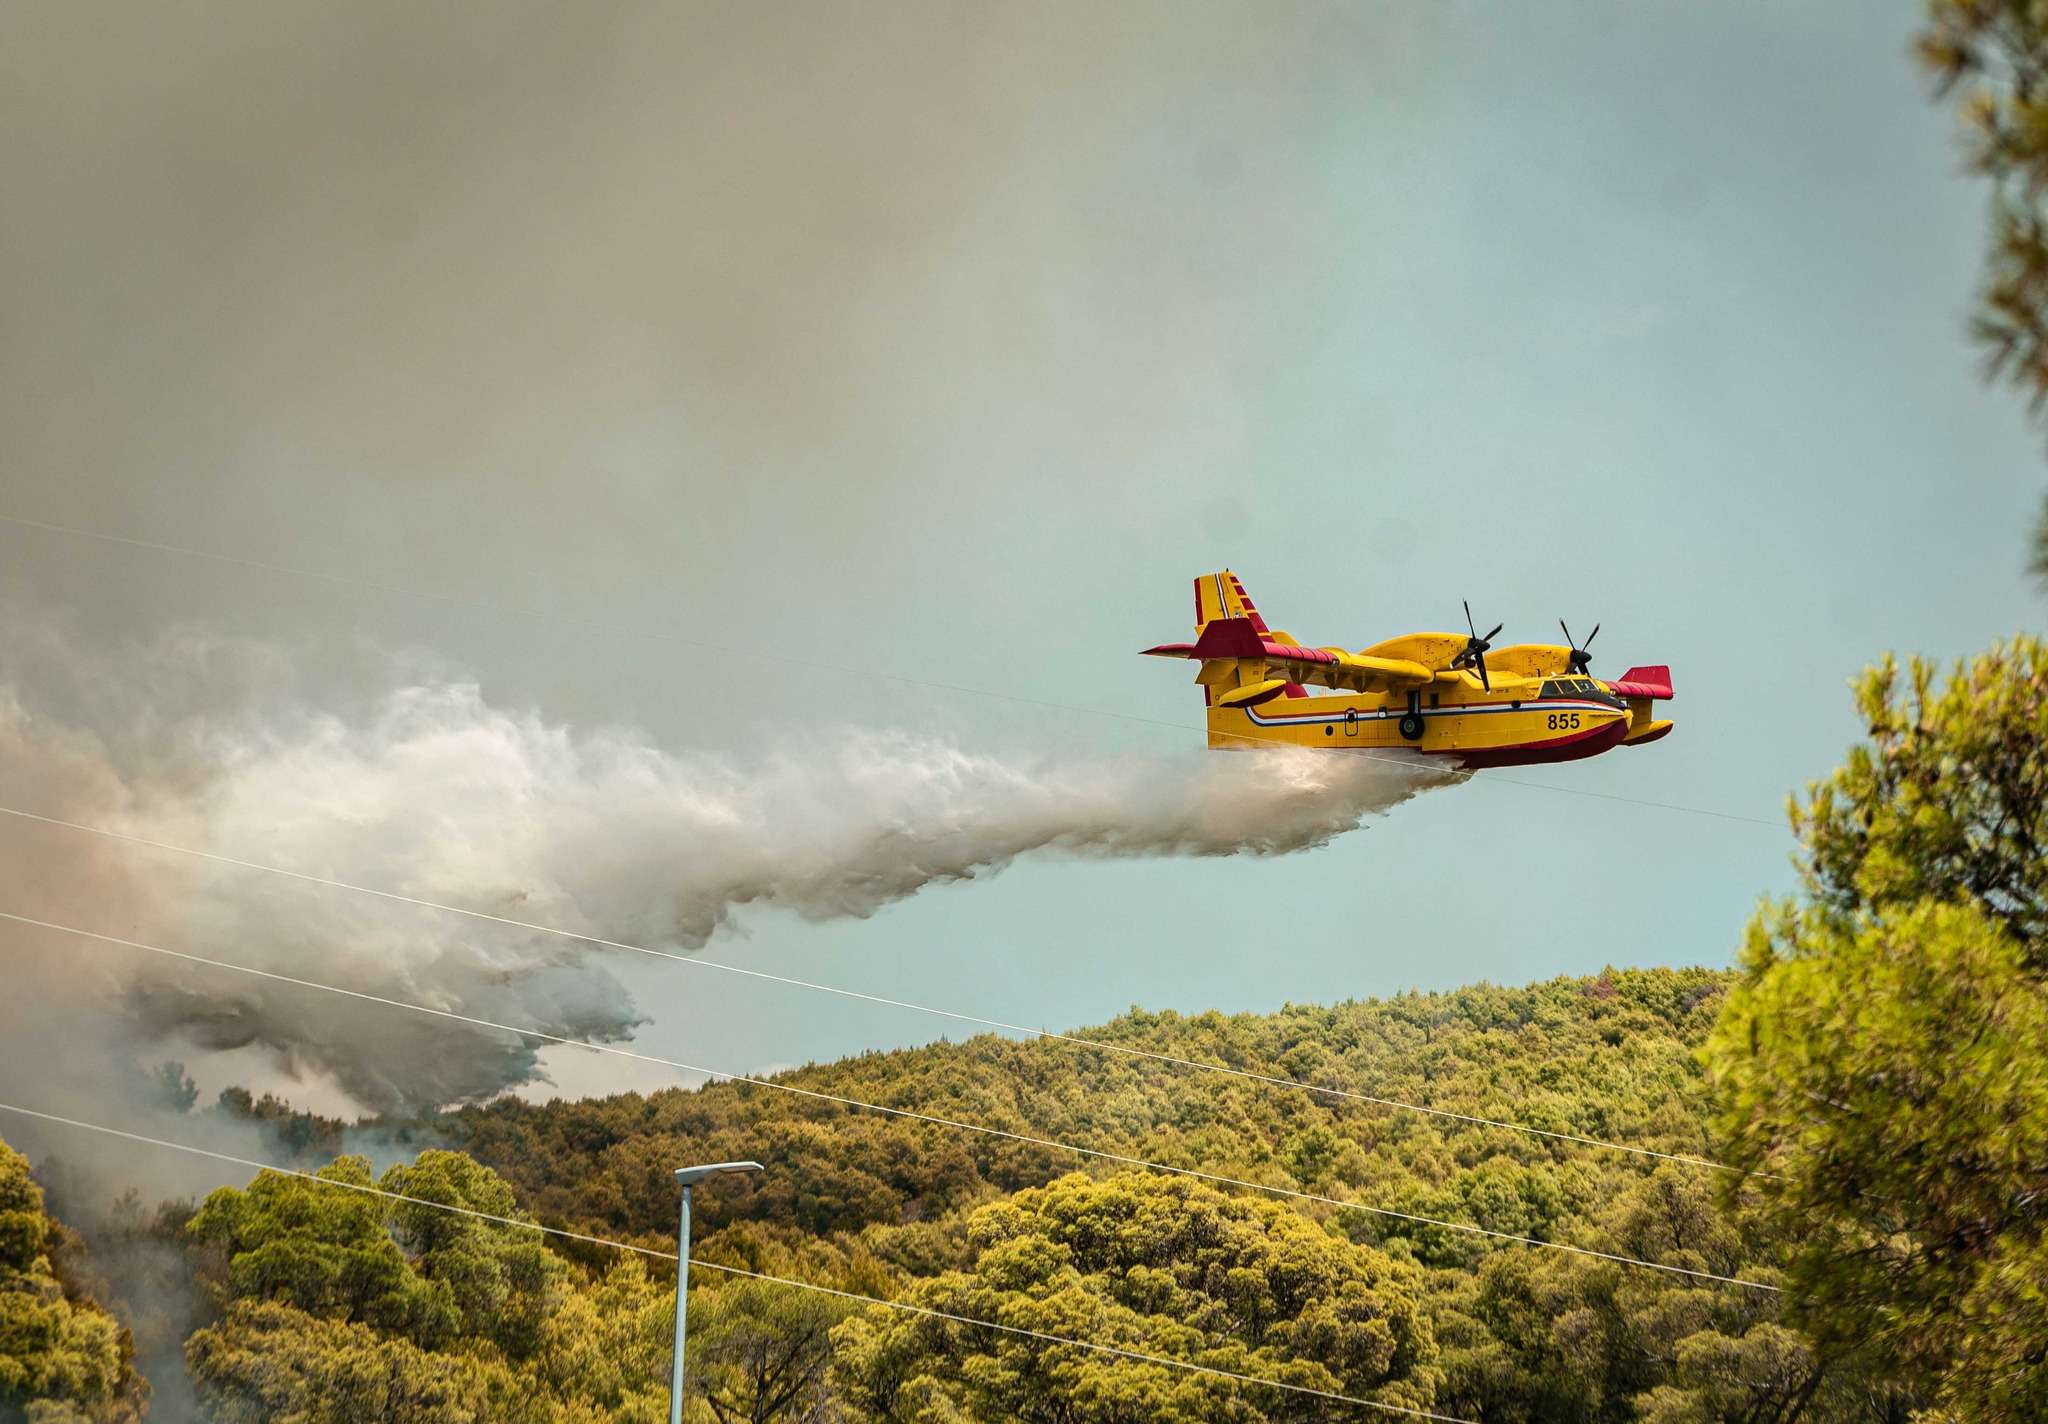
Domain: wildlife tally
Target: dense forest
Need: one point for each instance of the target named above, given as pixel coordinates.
(882, 1205)
(318, 1296)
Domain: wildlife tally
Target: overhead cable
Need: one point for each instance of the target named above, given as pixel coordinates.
(696, 1264)
(1094, 1153)
(700, 963)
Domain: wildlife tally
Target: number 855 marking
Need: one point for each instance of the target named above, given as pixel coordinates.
(1564, 721)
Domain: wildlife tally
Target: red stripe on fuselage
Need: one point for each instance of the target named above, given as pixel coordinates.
(1571, 748)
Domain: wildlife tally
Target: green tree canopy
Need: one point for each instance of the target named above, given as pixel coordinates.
(1995, 54)
(502, 1279)
(1947, 801)
(60, 1360)
(1157, 1266)
(1884, 1059)
(336, 1304)
(324, 1251)
(268, 1360)
(761, 1353)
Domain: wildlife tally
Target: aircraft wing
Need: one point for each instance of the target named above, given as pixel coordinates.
(1234, 653)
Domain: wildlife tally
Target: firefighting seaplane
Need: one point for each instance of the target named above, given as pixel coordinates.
(1447, 694)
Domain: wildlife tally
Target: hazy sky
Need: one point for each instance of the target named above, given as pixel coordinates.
(951, 341)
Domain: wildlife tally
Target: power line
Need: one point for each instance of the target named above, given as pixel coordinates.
(866, 673)
(903, 1306)
(1041, 1033)
(1096, 1153)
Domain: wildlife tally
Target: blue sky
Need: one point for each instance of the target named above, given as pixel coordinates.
(954, 343)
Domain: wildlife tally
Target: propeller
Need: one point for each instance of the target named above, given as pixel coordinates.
(1476, 648)
(1580, 659)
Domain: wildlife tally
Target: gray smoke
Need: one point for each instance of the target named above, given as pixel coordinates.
(429, 791)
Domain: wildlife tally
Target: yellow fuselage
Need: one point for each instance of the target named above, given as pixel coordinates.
(1520, 720)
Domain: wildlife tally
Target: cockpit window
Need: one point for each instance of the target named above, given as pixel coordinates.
(1584, 686)
(1556, 689)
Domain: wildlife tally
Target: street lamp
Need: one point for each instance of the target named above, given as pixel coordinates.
(686, 1178)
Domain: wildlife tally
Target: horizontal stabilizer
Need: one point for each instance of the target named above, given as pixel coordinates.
(1234, 649)
(1645, 682)
(1238, 638)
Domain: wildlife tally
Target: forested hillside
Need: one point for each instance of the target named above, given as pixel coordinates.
(884, 1205)
(359, 1308)
(1607, 1058)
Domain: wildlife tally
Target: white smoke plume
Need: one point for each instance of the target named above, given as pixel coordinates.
(429, 791)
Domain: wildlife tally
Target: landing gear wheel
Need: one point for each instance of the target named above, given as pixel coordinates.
(1411, 726)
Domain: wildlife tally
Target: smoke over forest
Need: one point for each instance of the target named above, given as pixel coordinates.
(427, 790)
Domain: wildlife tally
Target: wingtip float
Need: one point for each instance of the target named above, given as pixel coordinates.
(1443, 694)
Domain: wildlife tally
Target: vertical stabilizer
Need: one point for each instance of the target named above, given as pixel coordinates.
(1222, 596)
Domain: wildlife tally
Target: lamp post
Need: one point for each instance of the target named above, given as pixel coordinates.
(686, 1178)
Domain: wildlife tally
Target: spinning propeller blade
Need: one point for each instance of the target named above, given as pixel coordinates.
(1476, 647)
(1581, 658)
